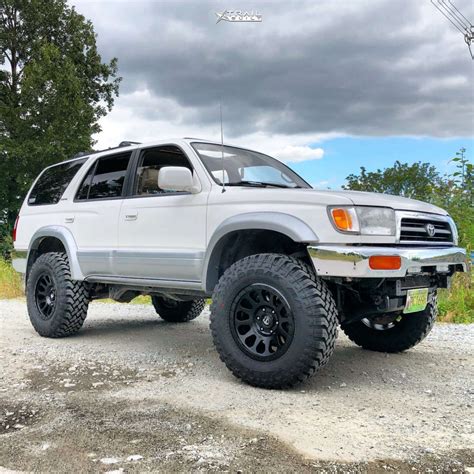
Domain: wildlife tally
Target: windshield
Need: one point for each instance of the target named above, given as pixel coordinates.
(246, 168)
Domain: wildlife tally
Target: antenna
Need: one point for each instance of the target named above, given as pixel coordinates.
(222, 150)
(458, 20)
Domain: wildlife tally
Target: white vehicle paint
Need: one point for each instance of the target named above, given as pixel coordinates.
(166, 238)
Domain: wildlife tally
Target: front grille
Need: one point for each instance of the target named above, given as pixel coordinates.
(421, 230)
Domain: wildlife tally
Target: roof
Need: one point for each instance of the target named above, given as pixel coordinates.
(131, 145)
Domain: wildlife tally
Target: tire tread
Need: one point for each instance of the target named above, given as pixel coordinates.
(185, 311)
(413, 332)
(76, 301)
(320, 312)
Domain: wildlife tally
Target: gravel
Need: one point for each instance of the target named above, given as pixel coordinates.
(131, 393)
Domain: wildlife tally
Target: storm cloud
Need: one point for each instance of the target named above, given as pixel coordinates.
(310, 69)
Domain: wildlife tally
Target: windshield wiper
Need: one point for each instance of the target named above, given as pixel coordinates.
(260, 184)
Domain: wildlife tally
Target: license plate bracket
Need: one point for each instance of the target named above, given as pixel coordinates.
(417, 299)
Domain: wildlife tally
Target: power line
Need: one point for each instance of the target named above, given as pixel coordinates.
(450, 15)
(458, 20)
(454, 6)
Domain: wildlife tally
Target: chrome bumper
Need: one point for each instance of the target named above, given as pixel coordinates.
(347, 261)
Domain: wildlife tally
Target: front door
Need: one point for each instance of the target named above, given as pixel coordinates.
(162, 234)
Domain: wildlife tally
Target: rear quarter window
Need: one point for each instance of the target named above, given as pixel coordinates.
(53, 182)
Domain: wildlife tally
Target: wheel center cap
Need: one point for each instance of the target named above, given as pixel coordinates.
(267, 320)
(50, 298)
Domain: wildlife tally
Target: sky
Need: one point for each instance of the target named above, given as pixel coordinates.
(327, 86)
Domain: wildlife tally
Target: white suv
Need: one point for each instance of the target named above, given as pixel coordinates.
(181, 220)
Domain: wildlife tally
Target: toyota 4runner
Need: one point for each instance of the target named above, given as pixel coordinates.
(183, 220)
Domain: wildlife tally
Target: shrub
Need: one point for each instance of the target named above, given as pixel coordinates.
(457, 304)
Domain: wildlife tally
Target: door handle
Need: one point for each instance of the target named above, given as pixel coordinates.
(69, 220)
(131, 216)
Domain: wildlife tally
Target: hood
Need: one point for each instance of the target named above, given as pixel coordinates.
(361, 198)
(308, 196)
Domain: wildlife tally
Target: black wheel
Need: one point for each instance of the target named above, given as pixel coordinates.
(273, 324)
(175, 311)
(393, 332)
(57, 305)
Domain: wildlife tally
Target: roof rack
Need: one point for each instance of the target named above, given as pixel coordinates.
(128, 143)
(93, 152)
(196, 138)
(82, 153)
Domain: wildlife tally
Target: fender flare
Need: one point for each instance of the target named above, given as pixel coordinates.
(65, 236)
(280, 222)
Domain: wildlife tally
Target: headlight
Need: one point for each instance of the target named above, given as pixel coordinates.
(364, 220)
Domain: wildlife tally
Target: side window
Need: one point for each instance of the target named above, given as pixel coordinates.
(86, 182)
(149, 165)
(105, 179)
(53, 182)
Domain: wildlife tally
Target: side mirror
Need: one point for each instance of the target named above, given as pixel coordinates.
(176, 178)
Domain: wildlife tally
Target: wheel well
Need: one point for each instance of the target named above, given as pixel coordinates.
(42, 246)
(243, 243)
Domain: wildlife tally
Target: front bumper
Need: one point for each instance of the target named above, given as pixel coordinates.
(353, 261)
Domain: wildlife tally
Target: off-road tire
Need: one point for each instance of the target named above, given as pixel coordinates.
(314, 314)
(71, 300)
(407, 333)
(179, 311)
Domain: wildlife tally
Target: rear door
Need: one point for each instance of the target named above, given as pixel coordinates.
(96, 211)
(162, 234)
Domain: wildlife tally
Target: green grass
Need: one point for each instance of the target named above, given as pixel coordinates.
(457, 304)
(10, 282)
(142, 299)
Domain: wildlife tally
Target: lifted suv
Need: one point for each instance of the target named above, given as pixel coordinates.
(182, 220)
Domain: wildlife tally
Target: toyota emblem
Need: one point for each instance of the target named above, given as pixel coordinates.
(430, 230)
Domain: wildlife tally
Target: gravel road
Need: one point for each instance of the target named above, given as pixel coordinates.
(133, 393)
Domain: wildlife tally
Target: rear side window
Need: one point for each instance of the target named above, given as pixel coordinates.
(53, 182)
(105, 178)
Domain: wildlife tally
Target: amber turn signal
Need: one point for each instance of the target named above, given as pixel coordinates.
(342, 218)
(385, 262)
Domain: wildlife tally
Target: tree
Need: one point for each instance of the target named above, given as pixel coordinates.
(464, 177)
(416, 181)
(457, 197)
(54, 88)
